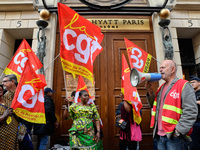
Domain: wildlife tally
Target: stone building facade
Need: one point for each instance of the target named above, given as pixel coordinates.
(18, 21)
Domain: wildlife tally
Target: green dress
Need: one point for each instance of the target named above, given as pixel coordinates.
(82, 130)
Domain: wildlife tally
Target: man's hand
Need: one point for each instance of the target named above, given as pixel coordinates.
(8, 112)
(176, 133)
(118, 116)
(198, 102)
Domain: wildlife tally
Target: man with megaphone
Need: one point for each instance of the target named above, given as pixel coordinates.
(174, 109)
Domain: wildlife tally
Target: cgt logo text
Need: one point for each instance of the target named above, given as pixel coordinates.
(174, 94)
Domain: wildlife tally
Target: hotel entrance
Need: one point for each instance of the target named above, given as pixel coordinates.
(107, 75)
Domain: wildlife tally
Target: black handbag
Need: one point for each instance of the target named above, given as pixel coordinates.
(121, 123)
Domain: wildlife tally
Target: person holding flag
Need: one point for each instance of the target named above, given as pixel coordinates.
(8, 121)
(43, 131)
(82, 135)
(28, 104)
(174, 109)
(130, 111)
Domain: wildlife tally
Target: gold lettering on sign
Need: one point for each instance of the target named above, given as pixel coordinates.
(122, 24)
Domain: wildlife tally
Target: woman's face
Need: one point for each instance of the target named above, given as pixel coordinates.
(1, 91)
(84, 97)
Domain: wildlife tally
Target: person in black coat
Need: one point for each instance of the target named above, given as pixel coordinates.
(195, 144)
(43, 131)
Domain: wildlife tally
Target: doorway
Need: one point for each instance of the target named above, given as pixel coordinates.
(107, 74)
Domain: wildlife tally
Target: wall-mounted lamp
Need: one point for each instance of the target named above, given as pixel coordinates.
(42, 24)
(166, 35)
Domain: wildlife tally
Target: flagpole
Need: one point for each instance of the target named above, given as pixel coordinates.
(65, 88)
(3, 72)
(156, 59)
(1, 75)
(51, 62)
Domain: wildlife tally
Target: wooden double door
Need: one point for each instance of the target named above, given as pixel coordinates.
(107, 72)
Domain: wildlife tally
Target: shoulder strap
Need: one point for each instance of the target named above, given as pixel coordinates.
(3, 106)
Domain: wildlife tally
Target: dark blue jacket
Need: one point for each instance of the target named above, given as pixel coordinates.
(197, 93)
(48, 128)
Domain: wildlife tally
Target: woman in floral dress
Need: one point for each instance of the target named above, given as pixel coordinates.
(82, 135)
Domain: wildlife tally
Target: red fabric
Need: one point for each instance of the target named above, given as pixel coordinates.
(154, 109)
(138, 57)
(17, 63)
(28, 102)
(173, 98)
(81, 86)
(130, 93)
(80, 42)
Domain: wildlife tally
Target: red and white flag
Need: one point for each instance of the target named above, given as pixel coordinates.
(28, 101)
(138, 57)
(82, 86)
(17, 63)
(80, 42)
(131, 94)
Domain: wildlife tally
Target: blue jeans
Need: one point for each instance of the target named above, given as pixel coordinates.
(155, 144)
(174, 143)
(42, 142)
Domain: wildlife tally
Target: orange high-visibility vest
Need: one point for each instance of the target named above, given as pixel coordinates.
(172, 108)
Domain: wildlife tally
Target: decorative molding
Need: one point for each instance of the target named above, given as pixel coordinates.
(187, 5)
(16, 5)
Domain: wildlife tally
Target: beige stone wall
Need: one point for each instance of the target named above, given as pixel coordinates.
(13, 25)
(16, 5)
(159, 45)
(196, 46)
(6, 48)
(22, 24)
(77, 3)
(187, 20)
(18, 23)
(180, 19)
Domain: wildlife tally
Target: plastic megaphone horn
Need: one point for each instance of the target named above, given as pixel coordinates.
(137, 77)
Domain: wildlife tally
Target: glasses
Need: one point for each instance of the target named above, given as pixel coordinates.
(5, 81)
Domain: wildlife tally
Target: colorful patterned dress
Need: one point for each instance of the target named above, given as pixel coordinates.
(82, 131)
(8, 132)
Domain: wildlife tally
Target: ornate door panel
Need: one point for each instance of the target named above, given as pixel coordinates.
(107, 73)
(114, 49)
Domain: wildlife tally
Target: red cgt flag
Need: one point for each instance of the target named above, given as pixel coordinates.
(17, 63)
(28, 102)
(82, 86)
(130, 93)
(138, 58)
(80, 42)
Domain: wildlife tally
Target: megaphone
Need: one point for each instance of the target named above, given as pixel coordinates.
(137, 77)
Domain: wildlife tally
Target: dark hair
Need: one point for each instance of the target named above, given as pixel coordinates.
(81, 92)
(1, 86)
(12, 77)
(45, 93)
(73, 93)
